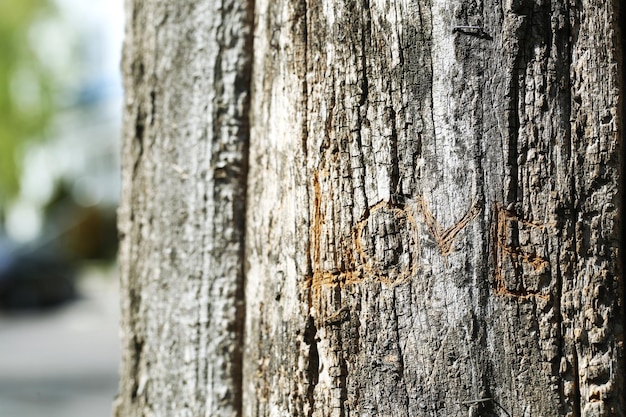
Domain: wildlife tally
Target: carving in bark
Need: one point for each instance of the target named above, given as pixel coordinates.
(414, 208)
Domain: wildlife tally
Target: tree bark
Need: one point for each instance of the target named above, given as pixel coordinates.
(182, 218)
(434, 205)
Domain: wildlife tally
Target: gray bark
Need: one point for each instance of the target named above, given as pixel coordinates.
(433, 209)
(187, 69)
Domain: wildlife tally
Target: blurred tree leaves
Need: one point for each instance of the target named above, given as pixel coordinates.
(25, 87)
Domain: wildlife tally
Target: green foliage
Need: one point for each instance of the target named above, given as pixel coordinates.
(25, 87)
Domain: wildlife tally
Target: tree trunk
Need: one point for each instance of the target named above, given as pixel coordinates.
(187, 71)
(432, 210)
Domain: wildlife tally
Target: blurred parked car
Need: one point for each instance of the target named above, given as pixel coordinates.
(34, 277)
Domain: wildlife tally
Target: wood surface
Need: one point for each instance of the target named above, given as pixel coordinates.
(373, 208)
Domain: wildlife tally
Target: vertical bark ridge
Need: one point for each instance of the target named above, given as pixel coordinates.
(278, 211)
(562, 34)
(592, 304)
(187, 78)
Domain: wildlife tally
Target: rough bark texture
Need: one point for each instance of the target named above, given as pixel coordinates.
(187, 75)
(433, 209)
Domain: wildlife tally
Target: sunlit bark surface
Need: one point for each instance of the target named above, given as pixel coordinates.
(373, 208)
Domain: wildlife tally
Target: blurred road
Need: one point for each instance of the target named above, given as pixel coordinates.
(62, 363)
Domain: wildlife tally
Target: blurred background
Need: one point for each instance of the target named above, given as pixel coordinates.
(60, 124)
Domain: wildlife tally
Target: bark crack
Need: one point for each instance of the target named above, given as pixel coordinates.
(565, 39)
(310, 334)
(365, 32)
(140, 121)
(396, 184)
(621, 51)
(305, 86)
(401, 376)
(577, 410)
(246, 88)
(137, 350)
